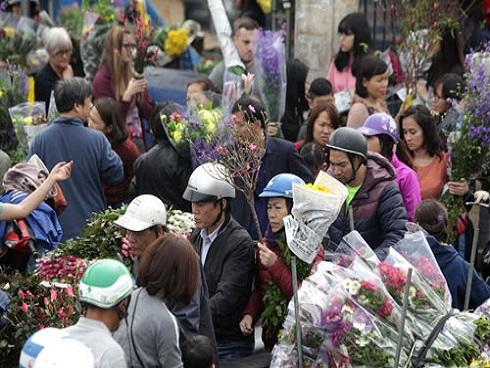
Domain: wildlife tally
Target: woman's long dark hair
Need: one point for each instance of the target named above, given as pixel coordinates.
(356, 24)
(427, 123)
(296, 103)
(108, 109)
(447, 60)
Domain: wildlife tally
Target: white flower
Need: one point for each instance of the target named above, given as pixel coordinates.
(359, 326)
(346, 310)
(352, 286)
(363, 340)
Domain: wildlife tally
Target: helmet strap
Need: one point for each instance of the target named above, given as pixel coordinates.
(221, 209)
(354, 170)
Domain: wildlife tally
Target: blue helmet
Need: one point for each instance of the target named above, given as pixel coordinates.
(281, 185)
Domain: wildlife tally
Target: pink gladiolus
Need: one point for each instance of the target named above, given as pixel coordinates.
(21, 294)
(24, 307)
(53, 294)
(69, 291)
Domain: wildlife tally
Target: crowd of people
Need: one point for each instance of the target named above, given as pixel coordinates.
(195, 302)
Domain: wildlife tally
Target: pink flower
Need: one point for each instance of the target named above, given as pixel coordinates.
(21, 294)
(251, 108)
(252, 146)
(233, 120)
(61, 313)
(24, 307)
(69, 291)
(53, 294)
(28, 293)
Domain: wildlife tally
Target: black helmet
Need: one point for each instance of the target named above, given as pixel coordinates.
(349, 141)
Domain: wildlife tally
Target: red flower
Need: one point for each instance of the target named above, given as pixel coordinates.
(21, 294)
(368, 285)
(386, 308)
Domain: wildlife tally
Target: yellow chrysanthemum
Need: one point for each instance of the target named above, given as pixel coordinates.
(177, 136)
(9, 32)
(318, 188)
(176, 42)
(28, 120)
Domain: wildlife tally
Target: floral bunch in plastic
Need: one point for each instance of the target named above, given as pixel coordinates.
(239, 147)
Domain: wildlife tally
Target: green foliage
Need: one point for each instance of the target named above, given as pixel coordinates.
(32, 307)
(72, 21)
(101, 238)
(13, 50)
(275, 303)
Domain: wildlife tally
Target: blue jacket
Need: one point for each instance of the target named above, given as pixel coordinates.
(42, 221)
(280, 157)
(455, 270)
(93, 161)
(378, 209)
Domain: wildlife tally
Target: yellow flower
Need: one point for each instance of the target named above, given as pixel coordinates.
(176, 42)
(1, 93)
(9, 32)
(318, 188)
(28, 120)
(177, 136)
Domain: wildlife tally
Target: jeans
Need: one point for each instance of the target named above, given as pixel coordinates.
(235, 350)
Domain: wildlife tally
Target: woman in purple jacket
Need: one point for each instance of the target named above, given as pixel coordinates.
(381, 133)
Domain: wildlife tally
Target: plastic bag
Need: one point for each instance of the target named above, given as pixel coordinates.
(29, 119)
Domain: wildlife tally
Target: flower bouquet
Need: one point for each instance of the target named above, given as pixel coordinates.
(270, 63)
(29, 119)
(179, 222)
(315, 208)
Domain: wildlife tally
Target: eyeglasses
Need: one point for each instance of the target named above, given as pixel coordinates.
(67, 52)
(128, 46)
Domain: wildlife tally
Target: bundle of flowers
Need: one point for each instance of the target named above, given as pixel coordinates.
(179, 222)
(270, 63)
(29, 119)
(469, 140)
(34, 304)
(350, 313)
(15, 45)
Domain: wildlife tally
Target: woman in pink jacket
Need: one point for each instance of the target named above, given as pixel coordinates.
(381, 133)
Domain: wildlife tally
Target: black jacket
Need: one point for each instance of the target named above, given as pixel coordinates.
(163, 172)
(229, 271)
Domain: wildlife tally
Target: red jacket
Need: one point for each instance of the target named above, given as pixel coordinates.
(279, 273)
(102, 87)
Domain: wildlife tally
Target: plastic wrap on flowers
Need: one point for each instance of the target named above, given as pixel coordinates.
(270, 65)
(415, 249)
(315, 208)
(29, 119)
(353, 246)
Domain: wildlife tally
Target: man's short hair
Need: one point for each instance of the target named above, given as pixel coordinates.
(198, 352)
(252, 109)
(244, 22)
(69, 92)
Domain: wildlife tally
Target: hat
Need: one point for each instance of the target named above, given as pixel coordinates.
(380, 123)
(143, 212)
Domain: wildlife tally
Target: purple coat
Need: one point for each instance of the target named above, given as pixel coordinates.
(408, 182)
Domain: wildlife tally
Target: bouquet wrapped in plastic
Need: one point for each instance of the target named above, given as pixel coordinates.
(315, 208)
(29, 119)
(270, 64)
(350, 312)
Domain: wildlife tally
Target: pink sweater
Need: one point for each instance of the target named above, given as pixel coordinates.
(341, 80)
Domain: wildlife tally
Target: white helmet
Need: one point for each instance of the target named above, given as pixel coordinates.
(143, 212)
(36, 343)
(208, 183)
(66, 352)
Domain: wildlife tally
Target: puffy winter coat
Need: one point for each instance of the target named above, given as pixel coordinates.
(455, 270)
(378, 209)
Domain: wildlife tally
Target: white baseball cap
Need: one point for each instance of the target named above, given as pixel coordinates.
(143, 212)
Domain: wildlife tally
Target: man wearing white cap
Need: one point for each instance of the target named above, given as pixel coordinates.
(144, 221)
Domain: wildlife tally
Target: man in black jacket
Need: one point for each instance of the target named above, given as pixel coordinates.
(226, 252)
(144, 221)
(280, 157)
(374, 206)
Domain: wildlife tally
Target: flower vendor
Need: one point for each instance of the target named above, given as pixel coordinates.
(273, 278)
(226, 252)
(378, 212)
